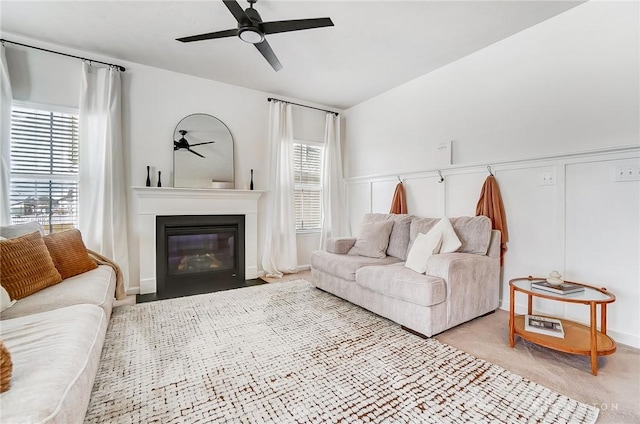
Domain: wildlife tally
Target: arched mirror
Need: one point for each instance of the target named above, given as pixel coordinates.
(202, 153)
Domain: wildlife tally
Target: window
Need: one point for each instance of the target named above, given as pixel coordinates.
(44, 168)
(307, 164)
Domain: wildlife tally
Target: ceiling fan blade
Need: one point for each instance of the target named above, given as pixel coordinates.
(236, 10)
(200, 144)
(268, 54)
(195, 153)
(209, 35)
(294, 25)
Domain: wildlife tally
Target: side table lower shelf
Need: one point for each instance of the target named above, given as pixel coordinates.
(577, 338)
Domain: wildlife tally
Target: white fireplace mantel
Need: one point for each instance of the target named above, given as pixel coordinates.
(154, 201)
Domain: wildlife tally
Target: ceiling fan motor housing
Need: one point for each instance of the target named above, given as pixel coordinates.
(248, 30)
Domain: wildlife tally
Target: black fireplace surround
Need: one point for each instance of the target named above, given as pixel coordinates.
(198, 252)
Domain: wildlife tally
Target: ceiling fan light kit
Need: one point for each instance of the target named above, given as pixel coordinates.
(252, 30)
(250, 35)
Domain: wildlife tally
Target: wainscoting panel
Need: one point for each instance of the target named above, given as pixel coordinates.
(603, 239)
(382, 194)
(462, 191)
(425, 196)
(359, 203)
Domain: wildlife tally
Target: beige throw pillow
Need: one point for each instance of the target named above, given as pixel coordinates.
(373, 240)
(423, 247)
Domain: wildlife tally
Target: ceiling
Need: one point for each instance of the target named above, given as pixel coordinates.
(373, 47)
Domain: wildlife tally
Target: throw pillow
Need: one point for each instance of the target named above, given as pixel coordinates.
(17, 230)
(69, 253)
(450, 240)
(5, 300)
(26, 265)
(6, 368)
(373, 240)
(423, 247)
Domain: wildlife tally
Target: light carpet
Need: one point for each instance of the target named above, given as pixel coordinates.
(287, 352)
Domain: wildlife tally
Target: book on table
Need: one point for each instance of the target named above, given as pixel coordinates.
(544, 325)
(564, 288)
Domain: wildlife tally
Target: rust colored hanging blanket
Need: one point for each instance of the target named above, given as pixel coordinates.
(490, 204)
(399, 202)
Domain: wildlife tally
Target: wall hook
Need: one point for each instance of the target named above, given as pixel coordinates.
(441, 180)
(399, 180)
(489, 169)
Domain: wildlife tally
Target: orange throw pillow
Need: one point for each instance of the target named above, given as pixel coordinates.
(6, 368)
(69, 253)
(26, 266)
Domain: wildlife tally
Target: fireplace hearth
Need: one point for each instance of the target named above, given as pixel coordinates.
(197, 253)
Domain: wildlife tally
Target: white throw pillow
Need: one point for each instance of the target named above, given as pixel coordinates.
(5, 300)
(423, 247)
(450, 240)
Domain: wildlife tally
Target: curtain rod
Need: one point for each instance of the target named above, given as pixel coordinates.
(121, 68)
(298, 104)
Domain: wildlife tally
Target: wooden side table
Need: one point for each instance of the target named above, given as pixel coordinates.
(578, 339)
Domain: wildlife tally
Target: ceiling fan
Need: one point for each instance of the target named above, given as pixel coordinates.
(252, 30)
(184, 144)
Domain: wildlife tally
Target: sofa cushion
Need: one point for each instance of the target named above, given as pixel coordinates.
(55, 358)
(69, 253)
(95, 287)
(399, 237)
(26, 265)
(402, 283)
(474, 232)
(17, 230)
(345, 266)
(373, 240)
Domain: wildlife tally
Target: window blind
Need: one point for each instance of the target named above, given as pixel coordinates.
(44, 168)
(308, 186)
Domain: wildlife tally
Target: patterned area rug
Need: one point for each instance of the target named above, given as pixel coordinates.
(287, 352)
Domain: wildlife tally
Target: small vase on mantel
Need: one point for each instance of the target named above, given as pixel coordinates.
(159, 180)
(148, 184)
(251, 183)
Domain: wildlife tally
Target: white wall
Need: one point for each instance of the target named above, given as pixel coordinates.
(154, 101)
(569, 83)
(561, 97)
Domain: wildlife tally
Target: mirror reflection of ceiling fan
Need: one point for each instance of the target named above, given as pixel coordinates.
(183, 144)
(252, 30)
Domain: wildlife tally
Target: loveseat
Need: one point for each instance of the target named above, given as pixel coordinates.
(54, 338)
(454, 287)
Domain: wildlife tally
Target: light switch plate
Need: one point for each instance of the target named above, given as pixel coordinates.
(548, 178)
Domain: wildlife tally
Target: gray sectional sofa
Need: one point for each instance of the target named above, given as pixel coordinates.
(55, 339)
(456, 287)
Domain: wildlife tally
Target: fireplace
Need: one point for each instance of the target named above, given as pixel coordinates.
(198, 251)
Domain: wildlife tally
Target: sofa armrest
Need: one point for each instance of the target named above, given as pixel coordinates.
(340, 245)
(472, 282)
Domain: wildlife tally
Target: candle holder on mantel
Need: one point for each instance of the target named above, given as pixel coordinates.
(148, 184)
(251, 183)
(159, 179)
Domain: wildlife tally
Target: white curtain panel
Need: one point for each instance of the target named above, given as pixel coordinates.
(280, 255)
(334, 214)
(102, 197)
(5, 141)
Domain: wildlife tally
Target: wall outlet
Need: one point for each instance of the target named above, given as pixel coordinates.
(548, 178)
(627, 173)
